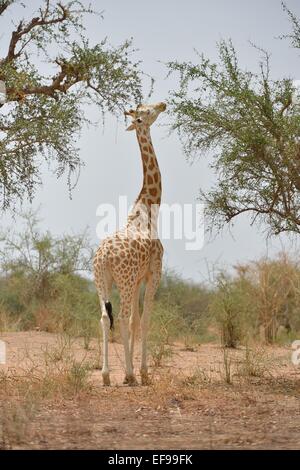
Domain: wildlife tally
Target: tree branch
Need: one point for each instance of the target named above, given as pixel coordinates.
(285, 106)
(62, 81)
(24, 29)
(4, 4)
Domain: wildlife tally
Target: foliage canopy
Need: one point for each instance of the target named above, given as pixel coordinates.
(251, 124)
(51, 69)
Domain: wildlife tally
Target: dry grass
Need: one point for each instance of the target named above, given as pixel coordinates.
(6, 322)
(256, 362)
(23, 396)
(56, 377)
(52, 397)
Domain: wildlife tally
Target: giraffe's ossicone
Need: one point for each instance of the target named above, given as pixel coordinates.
(133, 255)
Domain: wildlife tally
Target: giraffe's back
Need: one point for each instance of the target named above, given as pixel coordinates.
(127, 259)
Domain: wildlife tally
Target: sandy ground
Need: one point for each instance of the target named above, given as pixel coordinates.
(189, 404)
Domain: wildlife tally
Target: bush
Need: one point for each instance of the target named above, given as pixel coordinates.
(228, 307)
(187, 304)
(41, 285)
(260, 301)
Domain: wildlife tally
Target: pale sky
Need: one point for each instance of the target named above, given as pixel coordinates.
(162, 31)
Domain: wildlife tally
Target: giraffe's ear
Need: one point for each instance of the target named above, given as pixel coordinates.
(131, 127)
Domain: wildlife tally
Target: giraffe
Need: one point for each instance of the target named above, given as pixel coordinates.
(133, 255)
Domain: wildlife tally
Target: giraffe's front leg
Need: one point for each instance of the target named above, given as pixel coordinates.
(152, 283)
(148, 303)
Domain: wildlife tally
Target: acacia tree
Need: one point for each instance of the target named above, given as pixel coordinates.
(251, 125)
(43, 114)
(38, 256)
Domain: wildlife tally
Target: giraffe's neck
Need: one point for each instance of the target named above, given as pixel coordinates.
(144, 215)
(148, 201)
(151, 190)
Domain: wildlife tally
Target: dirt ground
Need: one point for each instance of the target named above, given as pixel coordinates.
(198, 398)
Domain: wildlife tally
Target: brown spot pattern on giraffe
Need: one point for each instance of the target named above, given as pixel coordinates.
(129, 259)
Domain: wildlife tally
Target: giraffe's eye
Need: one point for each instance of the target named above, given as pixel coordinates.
(139, 120)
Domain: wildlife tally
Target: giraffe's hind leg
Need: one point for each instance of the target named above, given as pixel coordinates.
(125, 306)
(105, 334)
(134, 320)
(104, 284)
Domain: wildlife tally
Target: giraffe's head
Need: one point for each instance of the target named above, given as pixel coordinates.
(144, 115)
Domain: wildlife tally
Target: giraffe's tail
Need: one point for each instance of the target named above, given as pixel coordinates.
(108, 308)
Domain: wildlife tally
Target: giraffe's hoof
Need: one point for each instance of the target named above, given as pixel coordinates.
(106, 379)
(130, 380)
(145, 379)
